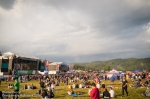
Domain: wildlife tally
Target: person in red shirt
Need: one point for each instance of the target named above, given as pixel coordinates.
(94, 93)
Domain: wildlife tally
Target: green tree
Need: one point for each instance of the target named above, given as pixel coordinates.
(106, 68)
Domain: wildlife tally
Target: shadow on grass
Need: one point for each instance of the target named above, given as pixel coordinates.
(114, 84)
(59, 89)
(80, 93)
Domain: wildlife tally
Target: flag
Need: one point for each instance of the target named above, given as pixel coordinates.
(5, 64)
(57, 67)
(46, 65)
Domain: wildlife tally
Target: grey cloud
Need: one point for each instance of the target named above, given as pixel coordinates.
(7, 4)
(95, 57)
(114, 17)
(72, 31)
(106, 13)
(57, 58)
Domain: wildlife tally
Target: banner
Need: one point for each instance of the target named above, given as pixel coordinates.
(41, 66)
(20, 64)
(26, 72)
(4, 67)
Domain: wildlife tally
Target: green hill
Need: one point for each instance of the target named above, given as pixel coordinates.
(119, 64)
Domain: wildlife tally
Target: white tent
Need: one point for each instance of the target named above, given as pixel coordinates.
(114, 73)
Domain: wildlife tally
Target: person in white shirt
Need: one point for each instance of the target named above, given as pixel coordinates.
(29, 87)
(80, 86)
(98, 85)
(112, 92)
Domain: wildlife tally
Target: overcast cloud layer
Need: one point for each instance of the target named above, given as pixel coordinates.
(76, 30)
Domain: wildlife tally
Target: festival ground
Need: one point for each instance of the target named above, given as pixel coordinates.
(82, 93)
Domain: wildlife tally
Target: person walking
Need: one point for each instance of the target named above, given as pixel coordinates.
(94, 93)
(124, 86)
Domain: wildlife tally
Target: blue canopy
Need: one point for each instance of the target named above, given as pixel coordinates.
(64, 64)
(135, 71)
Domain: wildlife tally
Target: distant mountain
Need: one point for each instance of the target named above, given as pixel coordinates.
(119, 64)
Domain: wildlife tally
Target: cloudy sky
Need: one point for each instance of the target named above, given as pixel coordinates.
(76, 30)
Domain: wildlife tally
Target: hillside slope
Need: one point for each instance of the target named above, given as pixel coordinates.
(119, 64)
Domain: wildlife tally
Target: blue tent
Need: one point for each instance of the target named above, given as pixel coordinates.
(64, 64)
(135, 71)
(112, 79)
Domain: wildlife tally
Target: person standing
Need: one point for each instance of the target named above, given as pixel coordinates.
(42, 85)
(124, 86)
(66, 80)
(94, 93)
(16, 88)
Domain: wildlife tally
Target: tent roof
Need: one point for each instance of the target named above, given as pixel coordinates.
(26, 56)
(10, 54)
(114, 71)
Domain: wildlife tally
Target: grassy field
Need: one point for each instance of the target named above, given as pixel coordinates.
(61, 91)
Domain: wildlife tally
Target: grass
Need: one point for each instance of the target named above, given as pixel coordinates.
(61, 91)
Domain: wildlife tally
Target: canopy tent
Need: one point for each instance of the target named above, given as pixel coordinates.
(113, 73)
(136, 71)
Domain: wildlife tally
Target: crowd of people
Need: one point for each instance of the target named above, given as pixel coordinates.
(27, 87)
(48, 83)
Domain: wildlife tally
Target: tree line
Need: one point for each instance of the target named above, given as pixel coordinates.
(119, 64)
